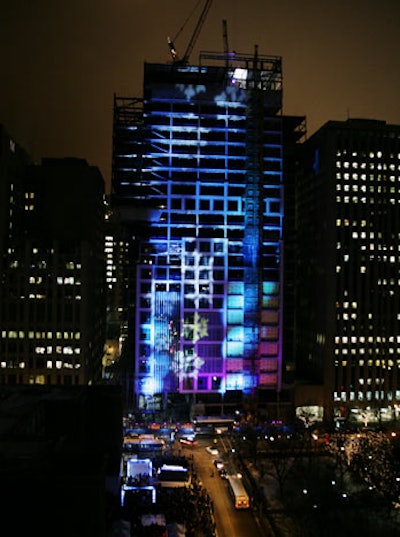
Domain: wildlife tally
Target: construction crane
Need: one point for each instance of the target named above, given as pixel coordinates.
(225, 36)
(225, 42)
(184, 60)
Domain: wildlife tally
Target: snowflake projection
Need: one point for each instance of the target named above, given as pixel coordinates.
(190, 365)
(197, 330)
(191, 91)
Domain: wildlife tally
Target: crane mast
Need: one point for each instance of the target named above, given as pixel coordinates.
(225, 41)
(225, 36)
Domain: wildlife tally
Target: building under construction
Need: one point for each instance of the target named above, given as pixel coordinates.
(201, 152)
(198, 174)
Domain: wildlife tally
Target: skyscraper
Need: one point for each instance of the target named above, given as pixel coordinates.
(52, 291)
(199, 158)
(348, 313)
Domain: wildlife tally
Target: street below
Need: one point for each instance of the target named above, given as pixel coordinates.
(230, 522)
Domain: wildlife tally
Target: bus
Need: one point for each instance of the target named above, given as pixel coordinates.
(212, 425)
(238, 492)
(144, 445)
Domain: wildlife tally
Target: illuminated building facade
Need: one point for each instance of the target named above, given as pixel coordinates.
(348, 325)
(201, 154)
(52, 292)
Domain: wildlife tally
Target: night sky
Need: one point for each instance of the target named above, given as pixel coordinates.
(63, 61)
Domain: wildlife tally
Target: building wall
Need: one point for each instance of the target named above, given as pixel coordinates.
(53, 280)
(208, 162)
(348, 319)
(13, 162)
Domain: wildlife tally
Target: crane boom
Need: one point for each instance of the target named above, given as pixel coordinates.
(197, 30)
(185, 58)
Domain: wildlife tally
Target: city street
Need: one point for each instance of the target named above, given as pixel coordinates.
(229, 521)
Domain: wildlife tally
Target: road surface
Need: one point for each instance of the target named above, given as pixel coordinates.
(229, 521)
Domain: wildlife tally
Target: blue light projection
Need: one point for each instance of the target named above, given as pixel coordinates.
(211, 149)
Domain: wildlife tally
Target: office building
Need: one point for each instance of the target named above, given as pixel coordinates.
(52, 292)
(294, 134)
(199, 159)
(348, 293)
(13, 162)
